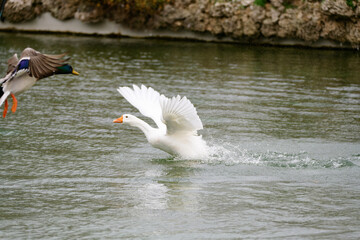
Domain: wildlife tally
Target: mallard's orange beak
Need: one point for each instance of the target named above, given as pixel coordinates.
(74, 72)
(119, 120)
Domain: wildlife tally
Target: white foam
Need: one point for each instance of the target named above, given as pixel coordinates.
(232, 154)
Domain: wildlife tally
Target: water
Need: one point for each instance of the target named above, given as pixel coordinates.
(282, 123)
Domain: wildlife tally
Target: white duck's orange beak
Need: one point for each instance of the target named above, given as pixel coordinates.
(119, 120)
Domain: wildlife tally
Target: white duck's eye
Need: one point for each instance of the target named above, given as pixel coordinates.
(126, 116)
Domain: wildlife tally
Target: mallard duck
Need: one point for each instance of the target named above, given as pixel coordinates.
(22, 74)
(176, 119)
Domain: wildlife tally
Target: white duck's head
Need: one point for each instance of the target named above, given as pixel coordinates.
(131, 120)
(126, 118)
(135, 122)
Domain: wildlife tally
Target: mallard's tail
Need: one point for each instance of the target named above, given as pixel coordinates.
(4, 96)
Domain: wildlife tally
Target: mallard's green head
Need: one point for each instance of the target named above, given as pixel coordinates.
(66, 69)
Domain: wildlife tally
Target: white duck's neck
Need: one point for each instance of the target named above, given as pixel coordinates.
(143, 126)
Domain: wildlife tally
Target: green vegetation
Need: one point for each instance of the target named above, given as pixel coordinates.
(286, 3)
(261, 2)
(350, 3)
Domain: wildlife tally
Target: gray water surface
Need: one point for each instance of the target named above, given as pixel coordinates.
(283, 125)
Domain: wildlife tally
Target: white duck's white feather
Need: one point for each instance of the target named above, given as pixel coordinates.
(146, 100)
(179, 114)
(176, 118)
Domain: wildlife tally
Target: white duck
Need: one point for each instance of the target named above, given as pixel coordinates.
(176, 118)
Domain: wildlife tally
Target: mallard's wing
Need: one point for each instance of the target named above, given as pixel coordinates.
(12, 62)
(146, 100)
(179, 115)
(42, 65)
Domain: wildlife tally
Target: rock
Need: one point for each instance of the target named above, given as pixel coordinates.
(309, 27)
(21, 10)
(337, 8)
(214, 26)
(202, 5)
(334, 30)
(307, 20)
(228, 26)
(268, 28)
(198, 26)
(246, 2)
(89, 12)
(61, 9)
(278, 4)
(288, 24)
(172, 14)
(353, 33)
(196, 9)
(269, 24)
(238, 27)
(196, 22)
(274, 14)
(256, 13)
(250, 27)
(219, 10)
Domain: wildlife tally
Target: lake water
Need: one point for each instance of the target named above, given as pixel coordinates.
(283, 125)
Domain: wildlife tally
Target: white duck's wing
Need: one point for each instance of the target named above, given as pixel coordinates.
(146, 100)
(179, 115)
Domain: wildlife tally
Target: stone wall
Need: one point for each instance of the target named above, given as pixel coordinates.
(240, 20)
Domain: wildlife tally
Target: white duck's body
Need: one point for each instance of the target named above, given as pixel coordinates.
(176, 119)
(189, 147)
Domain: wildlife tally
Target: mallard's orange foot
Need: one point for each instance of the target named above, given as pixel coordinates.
(14, 106)
(6, 106)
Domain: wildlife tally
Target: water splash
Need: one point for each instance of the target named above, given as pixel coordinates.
(230, 154)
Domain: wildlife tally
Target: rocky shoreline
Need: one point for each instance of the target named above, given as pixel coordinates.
(329, 23)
